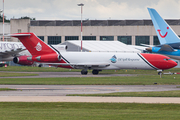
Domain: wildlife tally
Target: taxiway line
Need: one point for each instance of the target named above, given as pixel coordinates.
(165, 100)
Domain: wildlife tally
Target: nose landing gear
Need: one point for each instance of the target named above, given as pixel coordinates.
(160, 73)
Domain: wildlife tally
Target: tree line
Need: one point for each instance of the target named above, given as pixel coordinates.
(8, 20)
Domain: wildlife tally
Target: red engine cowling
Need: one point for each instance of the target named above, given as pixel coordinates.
(22, 60)
(46, 58)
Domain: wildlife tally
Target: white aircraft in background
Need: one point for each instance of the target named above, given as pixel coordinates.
(9, 50)
(97, 61)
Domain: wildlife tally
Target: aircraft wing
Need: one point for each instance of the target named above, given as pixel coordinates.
(81, 65)
(7, 55)
(12, 52)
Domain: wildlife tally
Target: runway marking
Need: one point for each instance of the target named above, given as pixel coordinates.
(90, 99)
(32, 88)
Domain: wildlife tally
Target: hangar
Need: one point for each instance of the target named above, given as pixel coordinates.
(99, 46)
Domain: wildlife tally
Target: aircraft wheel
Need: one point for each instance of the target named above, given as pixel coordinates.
(40, 65)
(84, 72)
(159, 73)
(95, 72)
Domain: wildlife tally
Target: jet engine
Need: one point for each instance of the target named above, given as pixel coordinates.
(46, 58)
(60, 47)
(22, 60)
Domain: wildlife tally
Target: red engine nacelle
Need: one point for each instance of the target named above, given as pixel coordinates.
(22, 60)
(46, 58)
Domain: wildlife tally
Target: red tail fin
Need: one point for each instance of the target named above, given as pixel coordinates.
(33, 44)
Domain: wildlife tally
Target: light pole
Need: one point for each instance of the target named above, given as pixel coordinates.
(81, 4)
(3, 20)
(2, 11)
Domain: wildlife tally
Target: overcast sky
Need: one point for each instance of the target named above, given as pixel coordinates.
(92, 10)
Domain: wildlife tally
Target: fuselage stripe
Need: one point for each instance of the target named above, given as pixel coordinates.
(55, 49)
(59, 54)
(147, 62)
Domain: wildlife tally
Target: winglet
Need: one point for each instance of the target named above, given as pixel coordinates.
(164, 32)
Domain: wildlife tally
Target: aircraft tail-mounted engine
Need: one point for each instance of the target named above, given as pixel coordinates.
(46, 58)
(22, 60)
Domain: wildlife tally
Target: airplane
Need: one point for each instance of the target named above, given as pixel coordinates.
(169, 40)
(96, 61)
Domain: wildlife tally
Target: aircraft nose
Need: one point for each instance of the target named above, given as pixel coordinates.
(160, 61)
(167, 65)
(172, 64)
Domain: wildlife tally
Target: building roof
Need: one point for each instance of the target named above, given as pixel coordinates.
(99, 22)
(99, 46)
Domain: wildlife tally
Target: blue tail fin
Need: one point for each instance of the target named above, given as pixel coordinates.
(164, 32)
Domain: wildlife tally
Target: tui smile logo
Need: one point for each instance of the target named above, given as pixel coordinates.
(113, 59)
(163, 36)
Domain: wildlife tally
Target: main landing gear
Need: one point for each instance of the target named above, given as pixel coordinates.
(94, 72)
(84, 72)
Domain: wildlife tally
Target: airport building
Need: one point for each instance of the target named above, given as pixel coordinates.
(131, 32)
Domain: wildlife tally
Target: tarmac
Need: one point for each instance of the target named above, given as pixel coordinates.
(65, 74)
(57, 93)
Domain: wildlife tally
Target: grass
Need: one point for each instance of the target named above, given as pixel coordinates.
(124, 80)
(53, 69)
(143, 77)
(6, 89)
(88, 111)
(135, 94)
(12, 74)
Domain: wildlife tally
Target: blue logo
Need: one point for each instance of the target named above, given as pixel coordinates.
(113, 59)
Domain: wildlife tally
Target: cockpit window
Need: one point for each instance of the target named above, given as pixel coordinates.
(166, 59)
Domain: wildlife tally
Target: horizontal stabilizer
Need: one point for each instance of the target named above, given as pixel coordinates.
(17, 35)
(166, 48)
(147, 45)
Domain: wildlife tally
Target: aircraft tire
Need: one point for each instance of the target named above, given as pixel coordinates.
(159, 73)
(95, 72)
(40, 65)
(84, 72)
